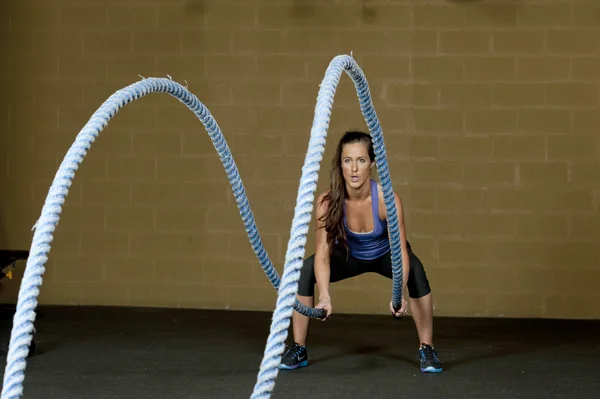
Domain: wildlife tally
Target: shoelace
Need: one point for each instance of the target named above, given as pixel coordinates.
(428, 353)
(295, 351)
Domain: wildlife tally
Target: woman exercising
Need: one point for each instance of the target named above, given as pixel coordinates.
(352, 239)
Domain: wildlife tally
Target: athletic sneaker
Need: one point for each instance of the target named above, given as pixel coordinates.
(429, 360)
(295, 357)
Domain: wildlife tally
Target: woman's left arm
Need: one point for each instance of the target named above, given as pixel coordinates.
(403, 245)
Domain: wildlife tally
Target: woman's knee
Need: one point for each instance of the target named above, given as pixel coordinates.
(306, 282)
(418, 284)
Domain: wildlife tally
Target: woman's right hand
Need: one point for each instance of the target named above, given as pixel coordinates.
(325, 303)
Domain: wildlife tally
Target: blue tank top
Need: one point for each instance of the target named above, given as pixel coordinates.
(371, 245)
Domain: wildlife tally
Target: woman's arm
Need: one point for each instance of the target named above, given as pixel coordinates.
(402, 231)
(403, 245)
(322, 270)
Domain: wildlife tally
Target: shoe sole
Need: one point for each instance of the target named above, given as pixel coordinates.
(301, 364)
(431, 370)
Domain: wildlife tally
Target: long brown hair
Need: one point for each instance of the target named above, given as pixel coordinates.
(334, 216)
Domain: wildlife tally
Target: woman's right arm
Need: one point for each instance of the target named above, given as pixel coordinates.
(322, 270)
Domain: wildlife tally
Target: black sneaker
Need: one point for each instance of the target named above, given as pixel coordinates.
(429, 360)
(295, 357)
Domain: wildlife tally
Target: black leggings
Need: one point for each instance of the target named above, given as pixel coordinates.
(343, 267)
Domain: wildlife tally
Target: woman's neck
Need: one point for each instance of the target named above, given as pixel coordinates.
(360, 194)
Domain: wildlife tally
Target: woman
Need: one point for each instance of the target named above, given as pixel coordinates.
(352, 239)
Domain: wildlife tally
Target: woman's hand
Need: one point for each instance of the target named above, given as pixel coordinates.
(403, 311)
(325, 303)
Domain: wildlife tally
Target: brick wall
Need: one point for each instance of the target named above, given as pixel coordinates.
(490, 115)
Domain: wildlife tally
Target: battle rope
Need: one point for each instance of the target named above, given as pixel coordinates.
(21, 334)
(304, 206)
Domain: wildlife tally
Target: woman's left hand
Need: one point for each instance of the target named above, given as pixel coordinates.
(403, 311)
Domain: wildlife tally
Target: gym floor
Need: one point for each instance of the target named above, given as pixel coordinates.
(157, 353)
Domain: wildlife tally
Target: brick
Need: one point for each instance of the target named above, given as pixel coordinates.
(75, 67)
(585, 121)
(207, 194)
(106, 193)
(158, 144)
(227, 272)
(281, 67)
(518, 42)
(130, 67)
(423, 94)
(518, 94)
(88, 17)
(543, 68)
(446, 172)
(104, 243)
(154, 244)
(543, 227)
(239, 17)
(580, 42)
(78, 269)
(133, 17)
(106, 42)
(83, 218)
(519, 148)
(179, 169)
(489, 173)
(60, 93)
(23, 17)
(181, 219)
(572, 94)
(157, 41)
(151, 193)
(492, 15)
(467, 148)
(437, 68)
(438, 16)
(585, 68)
(279, 17)
(544, 121)
(136, 218)
(580, 148)
(544, 14)
(464, 252)
(586, 15)
(266, 145)
(584, 228)
(210, 246)
(254, 41)
(431, 120)
(586, 174)
(422, 147)
(465, 95)
(491, 121)
(56, 42)
(543, 174)
(388, 67)
(207, 42)
(464, 42)
(188, 272)
(128, 168)
(461, 199)
(490, 69)
(256, 93)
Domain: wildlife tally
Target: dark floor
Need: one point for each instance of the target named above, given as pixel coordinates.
(156, 353)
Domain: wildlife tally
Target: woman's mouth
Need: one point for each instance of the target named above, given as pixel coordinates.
(354, 178)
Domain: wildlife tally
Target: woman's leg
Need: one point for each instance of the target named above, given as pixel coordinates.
(300, 322)
(421, 307)
(341, 267)
(420, 299)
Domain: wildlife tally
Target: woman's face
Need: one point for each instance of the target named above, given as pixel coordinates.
(356, 164)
